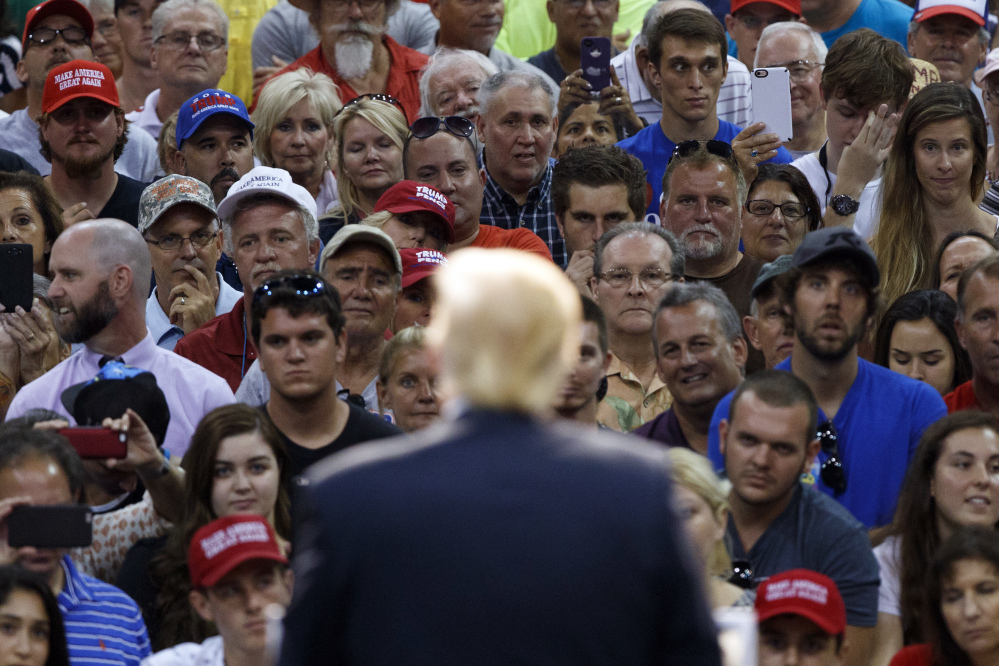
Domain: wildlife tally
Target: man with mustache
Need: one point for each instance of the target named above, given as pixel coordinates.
(82, 133)
(101, 272)
(178, 220)
(871, 418)
(55, 33)
(703, 198)
(356, 53)
(777, 522)
(269, 224)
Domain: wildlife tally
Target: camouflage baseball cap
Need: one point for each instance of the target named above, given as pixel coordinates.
(167, 192)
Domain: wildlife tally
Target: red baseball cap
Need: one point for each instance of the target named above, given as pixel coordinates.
(793, 6)
(976, 10)
(78, 78)
(408, 196)
(224, 544)
(70, 8)
(418, 263)
(805, 593)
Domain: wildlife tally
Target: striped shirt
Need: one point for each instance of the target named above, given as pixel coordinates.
(537, 214)
(103, 625)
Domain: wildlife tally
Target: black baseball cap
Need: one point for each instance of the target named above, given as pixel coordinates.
(769, 272)
(833, 243)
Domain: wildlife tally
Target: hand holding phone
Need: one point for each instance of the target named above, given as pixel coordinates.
(594, 59)
(771, 92)
(50, 526)
(16, 277)
(96, 442)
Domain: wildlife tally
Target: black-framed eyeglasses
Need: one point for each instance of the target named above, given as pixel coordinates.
(173, 242)
(71, 35)
(742, 574)
(424, 128)
(651, 278)
(355, 399)
(378, 97)
(688, 148)
(788, 210)
(831, 472)
(299, 284)
(179, 40)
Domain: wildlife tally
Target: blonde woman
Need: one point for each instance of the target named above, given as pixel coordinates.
(933, 181)
(703, 503)
(370, 131)
(294, 119)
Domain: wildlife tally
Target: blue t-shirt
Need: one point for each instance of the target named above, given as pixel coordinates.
(879, 426)
(654, 150)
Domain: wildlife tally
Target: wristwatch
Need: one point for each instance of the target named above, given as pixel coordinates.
(844, 205)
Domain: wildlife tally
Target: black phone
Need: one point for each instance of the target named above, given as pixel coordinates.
(53, 526)
(16, 281)
(594, 60)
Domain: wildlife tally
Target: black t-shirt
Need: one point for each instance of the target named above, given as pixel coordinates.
(124, 201)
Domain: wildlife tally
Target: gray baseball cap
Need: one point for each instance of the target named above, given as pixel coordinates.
(361, 233)
(167, 192)
(778, 266)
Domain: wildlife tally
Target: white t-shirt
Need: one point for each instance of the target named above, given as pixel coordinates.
(889, 560)
(209, 653)
(866, 221)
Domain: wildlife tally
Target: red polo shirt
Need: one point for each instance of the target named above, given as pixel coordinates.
(219, 346)
(516, 239)
(403, 77)
(961, 398)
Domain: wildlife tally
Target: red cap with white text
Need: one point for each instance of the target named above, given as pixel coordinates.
(224, 544)
(408, 196)
(78, 78)
(805, 593)
(419, 263)
(976, 10)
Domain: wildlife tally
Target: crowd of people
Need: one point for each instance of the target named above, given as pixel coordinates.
(421, 348)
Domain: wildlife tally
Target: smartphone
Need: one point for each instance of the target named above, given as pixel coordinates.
(594, 60)
(16, 280)
(772, 100)
(96, 442)
(55, 526)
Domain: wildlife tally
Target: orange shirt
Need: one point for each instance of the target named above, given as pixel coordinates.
(517, 239)
(403, 78)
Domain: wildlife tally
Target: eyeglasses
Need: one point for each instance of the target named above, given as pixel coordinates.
(688, 148)
(301, 285)
(598, 4)
(799, 70)
(179, 40)
(424, 128)
(742, 574)
(72, 35)
(173, 242)
(789, 210)
(650, 278)
(378, 97)
(832, 473)
(340, 5)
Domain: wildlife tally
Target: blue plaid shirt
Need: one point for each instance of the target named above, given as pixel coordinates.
(537, 214)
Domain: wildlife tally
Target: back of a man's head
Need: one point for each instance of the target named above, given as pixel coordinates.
(867, 70)
(506, 329)
(598, 166)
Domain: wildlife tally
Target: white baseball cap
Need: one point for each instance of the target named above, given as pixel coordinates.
(976, 10)
(267, 180)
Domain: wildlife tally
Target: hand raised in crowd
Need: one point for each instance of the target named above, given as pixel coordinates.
(580, 270)
(76, 213)
(861, 160)
(143, 454)
(33, 333)
(614, 99)
(261, 74)
(751, 146)
(193, 305)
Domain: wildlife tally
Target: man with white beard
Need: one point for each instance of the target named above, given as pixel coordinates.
(356, 53)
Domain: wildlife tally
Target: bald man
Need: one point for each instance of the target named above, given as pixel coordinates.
(101, 272)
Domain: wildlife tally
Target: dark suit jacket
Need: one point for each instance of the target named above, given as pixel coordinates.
(495, 539)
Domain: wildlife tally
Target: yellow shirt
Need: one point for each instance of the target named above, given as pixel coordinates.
(243, 17)
(627, 404)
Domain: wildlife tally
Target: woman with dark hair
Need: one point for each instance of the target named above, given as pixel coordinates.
(237, 464)
(957, 251)
(29, 213)
(952, 482)
(31, 627)
(916, 338)
(582, 124)
(780, 209)
(933, 181)
(961, 622)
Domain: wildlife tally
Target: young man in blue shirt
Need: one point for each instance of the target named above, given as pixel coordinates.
(871, 418)
(688, 50)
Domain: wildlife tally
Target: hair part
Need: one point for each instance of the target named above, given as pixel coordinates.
(598, 166)
(687, 25)
(411, 338)
(170, 8)
(514, 78)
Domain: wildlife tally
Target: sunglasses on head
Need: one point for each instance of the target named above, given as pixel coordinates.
(831, 472)
(299, 284)
(688, 148)
(424, 128)
(378, 97)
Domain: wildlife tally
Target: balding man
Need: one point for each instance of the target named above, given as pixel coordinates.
(101, 272)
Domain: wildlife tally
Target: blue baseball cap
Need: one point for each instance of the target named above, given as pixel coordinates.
(205, 104)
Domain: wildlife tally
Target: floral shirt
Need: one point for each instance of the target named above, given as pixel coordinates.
(114, 534)
(628, 404)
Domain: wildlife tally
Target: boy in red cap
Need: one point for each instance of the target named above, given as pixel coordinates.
(237, 571)
(802, 620)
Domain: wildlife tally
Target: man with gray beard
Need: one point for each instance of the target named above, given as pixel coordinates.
(356, 53)
(703, 197)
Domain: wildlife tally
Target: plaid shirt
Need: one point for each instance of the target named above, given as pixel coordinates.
(537, 214)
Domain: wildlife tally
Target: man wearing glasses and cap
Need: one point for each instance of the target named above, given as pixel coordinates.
(178, 220)
(56, 32)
